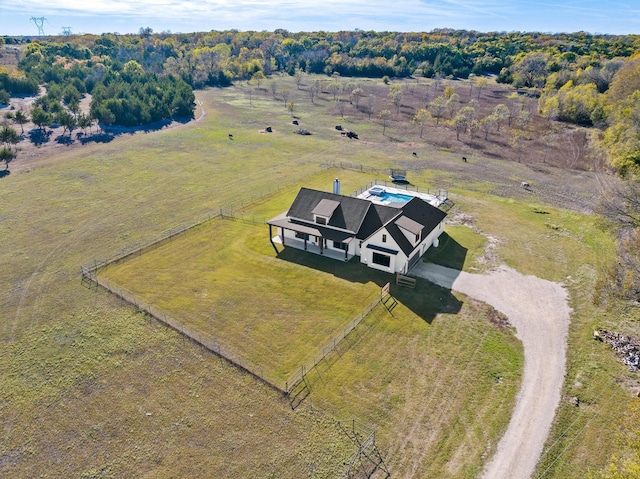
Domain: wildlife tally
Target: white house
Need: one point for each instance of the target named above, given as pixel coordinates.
(388, 238)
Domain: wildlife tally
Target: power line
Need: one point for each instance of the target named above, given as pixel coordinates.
(39, 23)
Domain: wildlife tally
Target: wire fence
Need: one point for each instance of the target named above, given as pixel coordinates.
(196, 336)
(298, 376)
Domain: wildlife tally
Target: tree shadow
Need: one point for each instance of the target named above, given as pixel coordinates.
(97, 138)
(38, 136)
(64, 140)
(4, 173)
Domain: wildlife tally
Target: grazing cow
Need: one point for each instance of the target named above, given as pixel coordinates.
(464, 158)
(525, 185)
(415, 154)
(230, 136)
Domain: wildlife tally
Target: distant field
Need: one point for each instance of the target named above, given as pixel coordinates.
(93, 389)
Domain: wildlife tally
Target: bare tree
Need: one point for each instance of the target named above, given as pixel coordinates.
(341, 105)
(371, 99)
(284, 93)
(621, 204)
(384, 116)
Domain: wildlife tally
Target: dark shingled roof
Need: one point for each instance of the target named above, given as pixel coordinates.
(377, 217)
(360, 217)
(348, 215)
(420, 212)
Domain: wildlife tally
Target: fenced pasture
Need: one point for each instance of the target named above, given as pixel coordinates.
(223, 282)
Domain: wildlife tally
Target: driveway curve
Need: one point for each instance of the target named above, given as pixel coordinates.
(539, 311)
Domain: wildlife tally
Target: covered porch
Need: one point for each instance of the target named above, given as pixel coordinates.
(313, 240)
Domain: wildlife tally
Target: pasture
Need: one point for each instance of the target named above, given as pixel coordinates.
(91, 388)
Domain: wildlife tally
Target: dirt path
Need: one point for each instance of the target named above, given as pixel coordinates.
(539, 311)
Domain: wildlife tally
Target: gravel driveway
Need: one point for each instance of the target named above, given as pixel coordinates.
(539, 311)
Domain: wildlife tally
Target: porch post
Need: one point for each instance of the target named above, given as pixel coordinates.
(271, 240)
(305, 243)
(321, 244)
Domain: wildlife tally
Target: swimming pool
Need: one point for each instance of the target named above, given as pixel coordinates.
(387, 196)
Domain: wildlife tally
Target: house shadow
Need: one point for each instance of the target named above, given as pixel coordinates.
(426, 299)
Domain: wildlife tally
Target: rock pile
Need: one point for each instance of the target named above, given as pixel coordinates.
(627, 347)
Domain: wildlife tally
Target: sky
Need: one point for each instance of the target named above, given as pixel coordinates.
(182, 16)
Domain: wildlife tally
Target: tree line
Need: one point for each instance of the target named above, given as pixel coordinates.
(581, 78)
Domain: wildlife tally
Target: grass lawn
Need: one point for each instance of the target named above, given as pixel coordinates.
(225, 280)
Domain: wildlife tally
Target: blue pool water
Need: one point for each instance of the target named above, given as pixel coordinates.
(395, 197)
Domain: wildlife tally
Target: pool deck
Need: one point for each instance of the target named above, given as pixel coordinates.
(431, 199)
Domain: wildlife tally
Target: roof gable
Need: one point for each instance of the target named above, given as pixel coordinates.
(326, 207)
(408, 224)
(415, 212)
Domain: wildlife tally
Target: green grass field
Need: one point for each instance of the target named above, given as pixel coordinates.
(91, 388)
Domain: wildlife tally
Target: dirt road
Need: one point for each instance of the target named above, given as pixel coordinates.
(539, 311)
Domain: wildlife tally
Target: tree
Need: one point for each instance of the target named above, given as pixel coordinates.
(355, 95)
(298, 76)
(67, 120)
(500, 114)
(274, 88)
(9, 136)
(40, 118)
(421, 117)
(334, 88)
(621, 204)
(7, 155)
(395, 94)
(487, 124)
(384, 116)
(257, 78)
(460, 123)
(342, 105)
(451, 104)
(84, 122)
(20, 118)
(449, 91)
(291, 107)
(481, 82)
(437, 106)
(284, 93)
(371, 99)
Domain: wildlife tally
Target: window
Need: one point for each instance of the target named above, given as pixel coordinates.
(321, 220)
(381, 259)
(342, 246)
(384, 238)
(303, 236)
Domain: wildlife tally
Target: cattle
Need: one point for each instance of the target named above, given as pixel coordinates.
(230, 136)
(464, 158)
(415, 154)
(525, 185)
